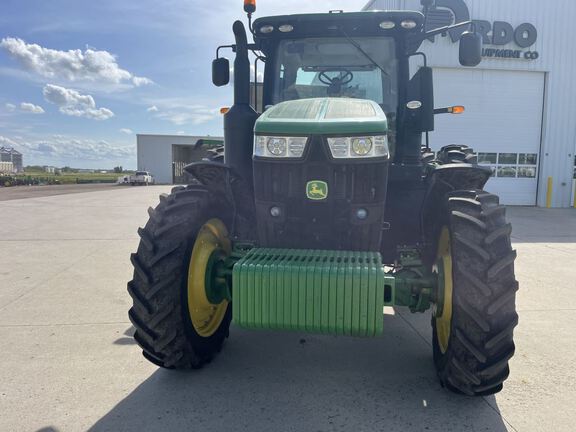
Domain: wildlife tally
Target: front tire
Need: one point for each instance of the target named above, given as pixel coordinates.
(475, 315)
(161, 312)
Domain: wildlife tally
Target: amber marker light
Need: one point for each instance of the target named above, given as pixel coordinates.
(249, 6)
(224, 110)
(458, 109)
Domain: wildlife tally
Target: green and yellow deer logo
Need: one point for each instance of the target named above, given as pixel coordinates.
(317, 190)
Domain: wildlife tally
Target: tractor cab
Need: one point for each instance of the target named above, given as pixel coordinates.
(296, 135)
(358, 55)
(348, 55)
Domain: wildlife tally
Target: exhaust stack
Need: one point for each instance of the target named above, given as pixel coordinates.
(239, 121)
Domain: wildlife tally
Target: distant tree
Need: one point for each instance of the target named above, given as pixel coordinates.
(33, 168)
(66, 169)
(118, 169)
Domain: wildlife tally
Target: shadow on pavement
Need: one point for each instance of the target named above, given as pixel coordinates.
(265, 381)
(128, 337)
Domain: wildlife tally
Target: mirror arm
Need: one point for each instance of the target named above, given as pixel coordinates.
(224, 46)
(441, 30)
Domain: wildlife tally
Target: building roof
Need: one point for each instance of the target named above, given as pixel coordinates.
(10, 150)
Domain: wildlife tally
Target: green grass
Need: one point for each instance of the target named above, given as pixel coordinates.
(69, 177)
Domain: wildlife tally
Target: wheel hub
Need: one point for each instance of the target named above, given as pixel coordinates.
(208, 294)
(443, 315)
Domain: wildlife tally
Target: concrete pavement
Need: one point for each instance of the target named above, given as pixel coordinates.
(22, 192)
(68, 362)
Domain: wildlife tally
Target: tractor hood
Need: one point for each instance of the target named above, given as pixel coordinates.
(323, 116)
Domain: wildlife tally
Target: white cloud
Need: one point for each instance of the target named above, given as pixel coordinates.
(194, 115)
(71, 102)
(64, 150)
(10, 107)
(31, 108)
(7, 142)
(72, 65)
(140, 81)
(126, 131)
(182, 111)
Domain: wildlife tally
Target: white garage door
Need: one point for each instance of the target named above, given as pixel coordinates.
(502, 122)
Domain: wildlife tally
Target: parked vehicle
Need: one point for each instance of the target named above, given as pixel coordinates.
(141, 178)
(330, 205)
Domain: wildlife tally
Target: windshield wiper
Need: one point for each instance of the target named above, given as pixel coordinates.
(359, 48)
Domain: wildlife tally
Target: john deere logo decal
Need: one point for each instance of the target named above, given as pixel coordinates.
(317, 190)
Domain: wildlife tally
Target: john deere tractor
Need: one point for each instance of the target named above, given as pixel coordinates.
(329, 205)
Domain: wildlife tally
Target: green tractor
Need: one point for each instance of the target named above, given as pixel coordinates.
(328, 205)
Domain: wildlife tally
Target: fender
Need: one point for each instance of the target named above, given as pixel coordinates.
(441, 181)
(224, 181)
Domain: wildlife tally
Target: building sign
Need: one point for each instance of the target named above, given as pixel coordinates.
(495, 34)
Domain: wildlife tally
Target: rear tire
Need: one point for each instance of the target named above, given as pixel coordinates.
(160, 311)
(427, 156)
(216, 154)
(456, 154)
(480, 343)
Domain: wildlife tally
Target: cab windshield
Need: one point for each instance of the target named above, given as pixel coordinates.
(364, 68)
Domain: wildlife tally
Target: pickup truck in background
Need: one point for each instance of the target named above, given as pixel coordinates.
(141, 178)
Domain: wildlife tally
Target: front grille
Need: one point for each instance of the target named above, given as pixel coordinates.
(326, 224)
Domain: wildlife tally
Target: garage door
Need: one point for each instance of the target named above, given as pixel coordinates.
(502, 122)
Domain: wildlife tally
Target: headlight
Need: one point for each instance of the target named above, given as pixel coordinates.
(359, 147)
(279, 147)
(276, 146)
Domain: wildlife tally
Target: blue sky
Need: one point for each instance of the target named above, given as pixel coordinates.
(78, 78)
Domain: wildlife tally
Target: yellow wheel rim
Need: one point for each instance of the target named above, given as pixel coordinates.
(206, 317)
(444, 320)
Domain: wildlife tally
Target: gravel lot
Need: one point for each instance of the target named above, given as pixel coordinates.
(69, 364)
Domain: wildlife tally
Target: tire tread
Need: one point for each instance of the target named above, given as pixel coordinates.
(484, 311)
(159, 313)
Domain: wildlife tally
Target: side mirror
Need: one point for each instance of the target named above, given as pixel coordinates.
(220, 72)
(470, 49)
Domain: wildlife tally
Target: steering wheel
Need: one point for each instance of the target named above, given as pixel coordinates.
(335, 84)
(343, 80)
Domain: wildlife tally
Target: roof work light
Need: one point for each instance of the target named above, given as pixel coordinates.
(249, 6)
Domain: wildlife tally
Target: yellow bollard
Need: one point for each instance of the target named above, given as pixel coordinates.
(549, 193)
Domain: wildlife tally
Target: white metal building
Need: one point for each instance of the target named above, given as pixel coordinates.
(164, 156)
(520, 102)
